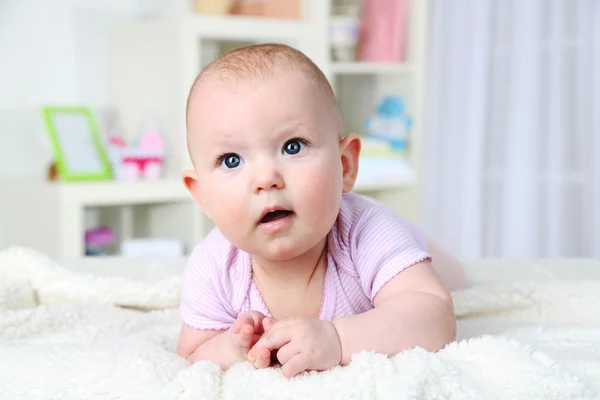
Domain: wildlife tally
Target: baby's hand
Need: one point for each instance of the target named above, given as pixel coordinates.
(304, 344)
(245, 332)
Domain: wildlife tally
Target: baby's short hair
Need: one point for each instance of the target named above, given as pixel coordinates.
(258, 62)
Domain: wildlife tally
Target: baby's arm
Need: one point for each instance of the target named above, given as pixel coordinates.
(413, 309)
(223, 347)
(447, 266)
(198, 344)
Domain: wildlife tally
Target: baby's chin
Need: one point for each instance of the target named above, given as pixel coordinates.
(277, 253)
(280, 250)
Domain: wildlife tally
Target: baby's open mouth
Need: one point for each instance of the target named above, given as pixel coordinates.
(274, 216)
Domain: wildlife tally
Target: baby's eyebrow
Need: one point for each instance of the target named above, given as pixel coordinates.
(216, 148)
(297, 127)
(228, 138)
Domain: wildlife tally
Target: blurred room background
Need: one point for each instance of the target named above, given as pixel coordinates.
(479, 117)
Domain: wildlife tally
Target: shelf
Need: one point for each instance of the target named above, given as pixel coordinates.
(226, 27)
(246, 28)
(368, 68)
(378, 174)
(114, 193)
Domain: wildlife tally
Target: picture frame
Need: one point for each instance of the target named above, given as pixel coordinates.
(77, 146)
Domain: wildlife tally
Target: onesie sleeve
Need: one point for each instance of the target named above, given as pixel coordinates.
(205, 304)
(383, 244)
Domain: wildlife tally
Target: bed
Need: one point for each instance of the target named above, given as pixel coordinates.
(107, 328)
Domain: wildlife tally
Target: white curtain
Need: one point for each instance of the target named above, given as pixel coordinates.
(512, 145)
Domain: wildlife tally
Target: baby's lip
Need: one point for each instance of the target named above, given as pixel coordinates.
(271, 209)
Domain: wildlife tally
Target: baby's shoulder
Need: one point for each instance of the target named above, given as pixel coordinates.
(361, 216)
(218, 256)
(357, 209)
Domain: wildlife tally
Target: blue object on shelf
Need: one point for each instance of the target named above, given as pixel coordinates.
(390, 123)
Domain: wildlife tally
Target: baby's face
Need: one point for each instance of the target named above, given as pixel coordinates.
(268, 164)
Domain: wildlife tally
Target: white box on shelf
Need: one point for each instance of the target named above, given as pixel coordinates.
(152, 247)
(377, 174)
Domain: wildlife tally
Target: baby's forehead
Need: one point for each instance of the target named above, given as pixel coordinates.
(225, 95)
(224, 81)
(246, 107)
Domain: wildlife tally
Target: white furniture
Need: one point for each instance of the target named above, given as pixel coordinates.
(51, 217)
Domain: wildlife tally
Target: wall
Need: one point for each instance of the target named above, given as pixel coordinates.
(55, 52)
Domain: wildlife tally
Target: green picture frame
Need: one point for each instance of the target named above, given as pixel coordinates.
(77, 146)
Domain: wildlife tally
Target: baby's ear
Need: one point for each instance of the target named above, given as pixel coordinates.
(350, 151)
(190, 180)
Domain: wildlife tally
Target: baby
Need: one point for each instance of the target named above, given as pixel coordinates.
(298, 269)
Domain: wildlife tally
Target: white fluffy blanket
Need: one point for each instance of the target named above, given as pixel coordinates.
(70, 335)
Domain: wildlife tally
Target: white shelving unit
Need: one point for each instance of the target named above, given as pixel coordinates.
(57, 212)
(154, 63)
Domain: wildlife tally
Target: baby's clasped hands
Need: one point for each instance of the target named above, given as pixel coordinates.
(246, 331)
(302, 344)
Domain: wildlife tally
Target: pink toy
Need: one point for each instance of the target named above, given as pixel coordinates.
(116, 142)
(151, 140)
(101, 236)
(382, 34)
(144, 161)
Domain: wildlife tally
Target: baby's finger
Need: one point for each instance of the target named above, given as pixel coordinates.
(256, 319)
(244, 319)
(268, 323)
(246, 336)
(298, 363)
(253, 339)
(236, 326)
(241, 321)
(262, 358)
(288, 351)
(274, 339)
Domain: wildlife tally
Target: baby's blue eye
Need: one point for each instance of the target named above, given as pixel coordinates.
(231, 161)
(294, 146)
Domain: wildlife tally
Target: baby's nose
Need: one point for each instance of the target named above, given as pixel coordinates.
(267, 178)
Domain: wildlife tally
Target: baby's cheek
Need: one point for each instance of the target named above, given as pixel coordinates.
(319, 192)
(231, 210)
(327, 179)
(321, 188)
(227, 206)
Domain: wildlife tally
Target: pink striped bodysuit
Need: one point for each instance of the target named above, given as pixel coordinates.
(368, 246)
